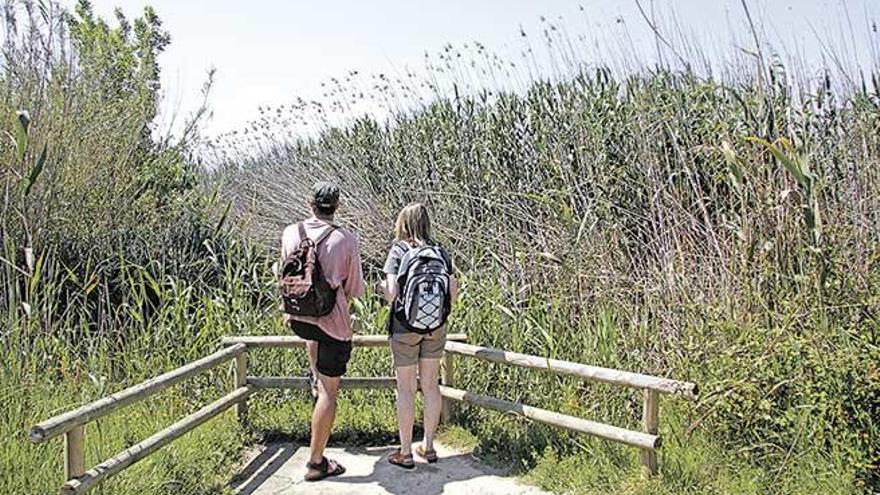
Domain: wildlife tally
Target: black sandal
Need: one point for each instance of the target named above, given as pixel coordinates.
(400, 460)
(428, 455)
(324, 470)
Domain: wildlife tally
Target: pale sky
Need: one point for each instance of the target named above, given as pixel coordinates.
(267, 52)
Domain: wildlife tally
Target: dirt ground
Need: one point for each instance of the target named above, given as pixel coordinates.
(278, 469)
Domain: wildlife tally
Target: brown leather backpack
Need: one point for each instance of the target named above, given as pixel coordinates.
(304, 290)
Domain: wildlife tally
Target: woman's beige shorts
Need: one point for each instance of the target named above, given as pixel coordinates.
(408, 347)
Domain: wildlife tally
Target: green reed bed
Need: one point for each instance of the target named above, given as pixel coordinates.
(714, 228)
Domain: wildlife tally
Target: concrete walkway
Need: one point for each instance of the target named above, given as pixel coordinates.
(278, 469)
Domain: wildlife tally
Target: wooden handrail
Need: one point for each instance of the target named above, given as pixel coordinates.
(71, 423)
(608, 432)
(64, 422)
(291, 341)
(607, 375)
(131, 455)
(301, 383)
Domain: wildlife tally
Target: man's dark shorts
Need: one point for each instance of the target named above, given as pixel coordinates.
(333, 355)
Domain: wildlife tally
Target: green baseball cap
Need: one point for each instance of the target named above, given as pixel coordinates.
(325, 194)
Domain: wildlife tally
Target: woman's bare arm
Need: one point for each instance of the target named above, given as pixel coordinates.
(390, 287)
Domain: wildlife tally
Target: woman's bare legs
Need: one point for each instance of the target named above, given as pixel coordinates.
(406, 405)
(429, 377)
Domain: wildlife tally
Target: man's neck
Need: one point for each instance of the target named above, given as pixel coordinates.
(324, 218)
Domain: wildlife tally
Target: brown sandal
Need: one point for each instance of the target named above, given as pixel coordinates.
(404, 461)
(324, 470)
(428, 455)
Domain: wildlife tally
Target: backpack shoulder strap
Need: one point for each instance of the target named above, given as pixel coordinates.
(325, 234)
(303, 238)
(446, 257)
(405, 257)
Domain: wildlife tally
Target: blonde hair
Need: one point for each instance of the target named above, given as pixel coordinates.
(413, 224)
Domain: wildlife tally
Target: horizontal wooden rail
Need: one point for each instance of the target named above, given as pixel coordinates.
(259, 382)
(64, 422)
(608, 432)
(291, 341)
(587, 372)
(129, 456)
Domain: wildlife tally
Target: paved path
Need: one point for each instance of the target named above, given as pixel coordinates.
(278, 470)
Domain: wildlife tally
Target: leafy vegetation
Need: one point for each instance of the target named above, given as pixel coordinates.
(718, 229)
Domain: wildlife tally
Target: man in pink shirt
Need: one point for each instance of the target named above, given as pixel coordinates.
(329, 336)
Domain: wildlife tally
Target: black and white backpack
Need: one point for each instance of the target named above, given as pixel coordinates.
(423, 277)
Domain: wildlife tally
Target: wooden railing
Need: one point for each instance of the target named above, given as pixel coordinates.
(72, 424)
(346, 382)
(648, 440)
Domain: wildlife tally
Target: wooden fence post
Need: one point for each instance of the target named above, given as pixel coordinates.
(241, 371)
(650, 412)
(74, 452)
(447, 379)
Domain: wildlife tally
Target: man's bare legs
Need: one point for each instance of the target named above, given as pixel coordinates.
(429, 378)
(406, 405)
(312, 347)
(323, 416)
